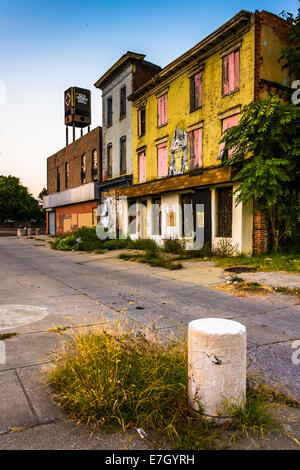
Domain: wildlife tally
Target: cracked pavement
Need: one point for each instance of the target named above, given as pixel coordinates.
(80, 289)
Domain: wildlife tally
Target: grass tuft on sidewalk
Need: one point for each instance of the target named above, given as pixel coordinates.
(110, 379)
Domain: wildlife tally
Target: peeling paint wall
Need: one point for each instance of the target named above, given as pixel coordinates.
(180, 116)
(178, 153)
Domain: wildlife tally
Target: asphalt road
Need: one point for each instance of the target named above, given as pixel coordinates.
(41, 289)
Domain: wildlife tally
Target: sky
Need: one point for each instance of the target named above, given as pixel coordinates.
(46, 46)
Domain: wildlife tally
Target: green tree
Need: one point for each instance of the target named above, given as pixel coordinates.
(42, 194)
(16, 202)
(290, 58)
(266, 156)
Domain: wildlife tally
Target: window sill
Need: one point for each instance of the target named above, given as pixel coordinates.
(122, 117)
(162, 125)
(230, 92)
(195, 109)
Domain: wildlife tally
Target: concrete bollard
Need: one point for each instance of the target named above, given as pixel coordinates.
(37, 231)
(21, 232)
(217, 364)
(30, 231)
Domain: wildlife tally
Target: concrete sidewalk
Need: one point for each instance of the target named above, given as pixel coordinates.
(46, 289)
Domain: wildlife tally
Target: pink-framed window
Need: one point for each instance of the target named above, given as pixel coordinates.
(195, 138)
(226, 124)
(231, 72)
(196, 91)
(142, 167)
(162, 110)
(162, 160)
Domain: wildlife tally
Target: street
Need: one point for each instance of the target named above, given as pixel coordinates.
(42, 289)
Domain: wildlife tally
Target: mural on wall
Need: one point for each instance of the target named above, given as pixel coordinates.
(178, 153)
(107, 214)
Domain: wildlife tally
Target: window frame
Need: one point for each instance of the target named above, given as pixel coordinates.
(109, 111)
(224, 234)
(94, 169)
(192, 147)
(159, 146)
(109, 157)
(67, 175)
(193, 106)
(141, 125)
(139, 156)
(165, 113)
(236, 86)
(58, 179)
(122, 102)
(83, 169)
(122, 169)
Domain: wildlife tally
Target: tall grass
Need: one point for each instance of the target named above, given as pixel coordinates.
(110, 379)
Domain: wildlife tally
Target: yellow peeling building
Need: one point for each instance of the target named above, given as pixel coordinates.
(178, 118)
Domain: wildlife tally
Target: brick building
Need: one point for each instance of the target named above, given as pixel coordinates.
(129, 73)
(178, 118)
(73, 176)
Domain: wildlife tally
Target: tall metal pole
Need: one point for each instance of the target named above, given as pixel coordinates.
(67, 136)
(73, 131)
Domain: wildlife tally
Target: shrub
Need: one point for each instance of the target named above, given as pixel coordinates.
(174, 246)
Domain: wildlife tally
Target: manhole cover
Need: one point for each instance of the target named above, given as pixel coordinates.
(241, 269)
(12, 316)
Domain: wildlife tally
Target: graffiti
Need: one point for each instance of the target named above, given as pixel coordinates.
(106, 227)
(178, 153)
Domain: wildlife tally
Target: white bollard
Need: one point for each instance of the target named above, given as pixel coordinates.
(217, 364)
(21, 232)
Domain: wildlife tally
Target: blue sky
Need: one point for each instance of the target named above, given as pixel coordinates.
(48, 45)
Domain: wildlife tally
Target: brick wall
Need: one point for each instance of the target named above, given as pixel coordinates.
(72, 155)
(69, 218)
(260, 232)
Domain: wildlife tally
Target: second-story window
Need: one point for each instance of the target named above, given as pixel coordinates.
(226, 124)
(142, 167)
(141, 122)
(196, 91)
(94, 165)
(231, 72)
(195, 138)
(67, 174)
(162, 160)
(123, 101)
(109, 161)
(109, 111)
(83, 169)
(57, 179)
(123, 155)
(162, 110)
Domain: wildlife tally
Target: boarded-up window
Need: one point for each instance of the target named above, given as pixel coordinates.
(231, 72)
(226, 124)
(123, 155)
(156, 216)
(196, 91)
(195, 138)
(187, 215)
(94, 165)
(142, 167)
(132, 216)
(162, 160)
(67, 175)
(109, 161)
(225, 212)
(94, 216)
(83, 169)
(141, 122)
(109, 111)
(123, 101)
(162, 110)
